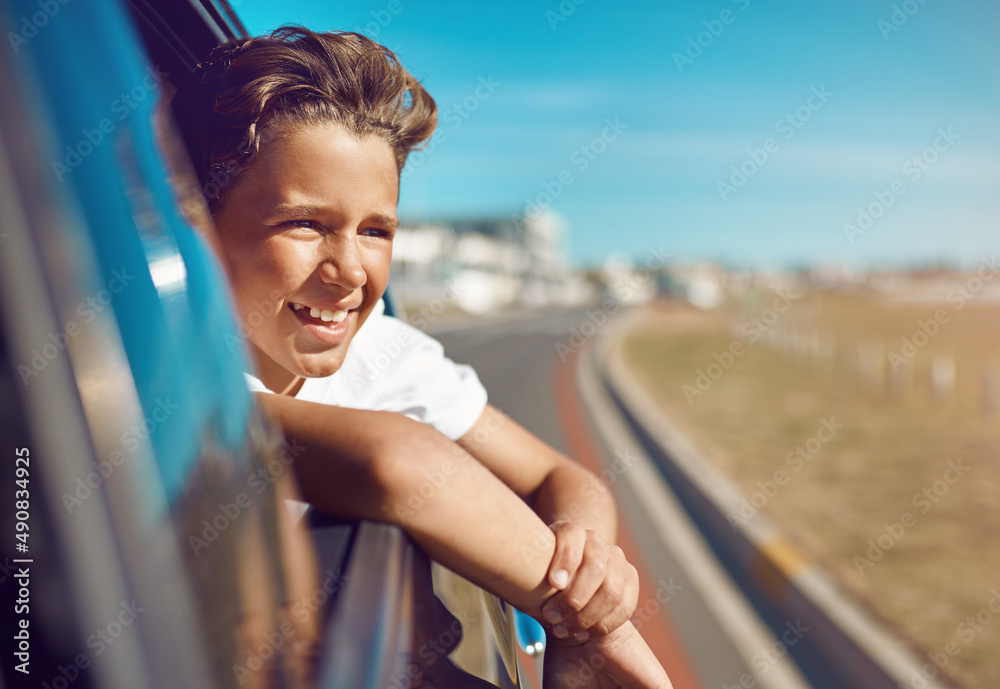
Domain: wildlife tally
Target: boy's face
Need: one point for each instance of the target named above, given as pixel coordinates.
(306, 238)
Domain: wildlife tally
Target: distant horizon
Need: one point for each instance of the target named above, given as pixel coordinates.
(793, 265)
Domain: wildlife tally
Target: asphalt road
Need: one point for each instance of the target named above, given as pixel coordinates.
(518, 360)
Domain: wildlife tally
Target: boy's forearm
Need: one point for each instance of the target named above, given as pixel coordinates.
(572, 493)
(384, 467)
(555, 486)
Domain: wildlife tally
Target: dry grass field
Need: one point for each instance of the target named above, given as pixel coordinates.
(902, 502)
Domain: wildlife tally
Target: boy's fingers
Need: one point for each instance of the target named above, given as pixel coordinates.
(570, 543)
(562, 608)
(611, 606)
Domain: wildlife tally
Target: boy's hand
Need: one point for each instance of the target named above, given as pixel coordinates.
(598, 588)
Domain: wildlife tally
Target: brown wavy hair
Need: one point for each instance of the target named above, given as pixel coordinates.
(247, 89)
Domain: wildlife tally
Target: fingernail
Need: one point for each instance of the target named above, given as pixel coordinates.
(552, 616)
(560, 631)
(583, 636)
(560, 578)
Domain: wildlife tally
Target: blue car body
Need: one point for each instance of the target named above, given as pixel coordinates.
(156, 545)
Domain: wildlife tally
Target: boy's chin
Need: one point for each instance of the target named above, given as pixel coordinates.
(319, 367)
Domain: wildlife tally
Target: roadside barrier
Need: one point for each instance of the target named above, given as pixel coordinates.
(783, 584)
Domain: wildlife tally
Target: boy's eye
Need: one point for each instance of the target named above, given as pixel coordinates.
(311, 224)
(375, 232)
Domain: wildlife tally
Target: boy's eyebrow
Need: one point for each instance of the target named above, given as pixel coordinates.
(295, 210)
(390, 221)
(301, 211)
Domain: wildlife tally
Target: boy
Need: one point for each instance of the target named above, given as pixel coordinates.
(298, 140)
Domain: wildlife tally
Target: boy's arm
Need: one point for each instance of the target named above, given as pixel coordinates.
(385, 467)
(599, 588)
(556, 487)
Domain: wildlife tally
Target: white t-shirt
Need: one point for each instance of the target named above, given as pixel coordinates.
(392, 366)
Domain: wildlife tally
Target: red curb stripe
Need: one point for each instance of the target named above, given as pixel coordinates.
(658, 631)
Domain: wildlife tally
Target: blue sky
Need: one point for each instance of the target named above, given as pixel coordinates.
(695, 88)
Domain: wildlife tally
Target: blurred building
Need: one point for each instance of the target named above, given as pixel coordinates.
(485, 264)
(702, 284)
(628, 283)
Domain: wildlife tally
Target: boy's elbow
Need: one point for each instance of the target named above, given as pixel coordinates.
(365, 464)
(356, 464)
(406, 466)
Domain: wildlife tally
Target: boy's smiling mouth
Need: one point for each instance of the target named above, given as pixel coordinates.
(329, 326)
(322, 315)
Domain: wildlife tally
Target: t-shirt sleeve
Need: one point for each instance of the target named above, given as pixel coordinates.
(393, 366)
(428, 386)
(254, 384)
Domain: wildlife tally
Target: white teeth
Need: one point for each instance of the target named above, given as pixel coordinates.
(325, 315)
(332, 316)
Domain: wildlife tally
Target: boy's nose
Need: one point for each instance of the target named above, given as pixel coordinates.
(342, 264)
